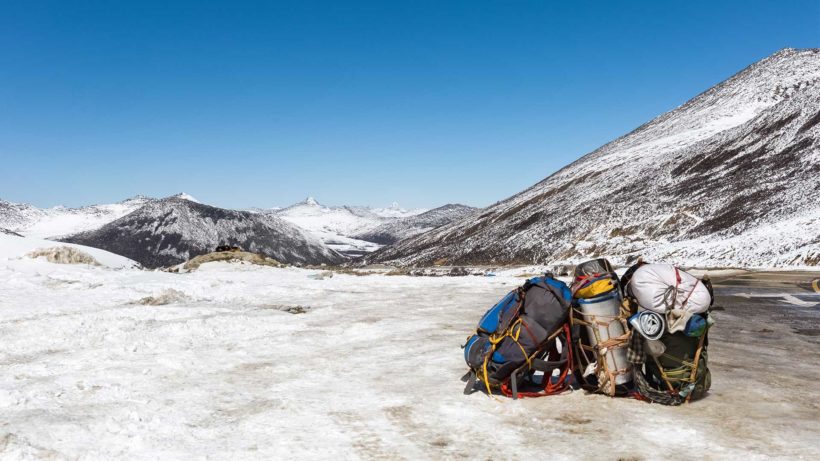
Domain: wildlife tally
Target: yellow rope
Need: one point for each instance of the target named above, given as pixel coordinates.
(495, 340)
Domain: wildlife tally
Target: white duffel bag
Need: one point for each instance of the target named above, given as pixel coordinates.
(664, 288)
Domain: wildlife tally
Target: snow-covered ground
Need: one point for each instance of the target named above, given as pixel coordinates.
(245, 362)
(14, 247)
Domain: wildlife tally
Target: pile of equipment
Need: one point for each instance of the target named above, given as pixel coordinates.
(643, 335)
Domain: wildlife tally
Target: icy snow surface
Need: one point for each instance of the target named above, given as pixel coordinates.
(12, 247)
(218, 364)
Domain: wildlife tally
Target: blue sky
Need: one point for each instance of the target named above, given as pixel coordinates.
(263, 103)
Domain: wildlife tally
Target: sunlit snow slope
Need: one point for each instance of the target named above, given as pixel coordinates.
(14, 247)
(338, 227)
(731, 178)
(60, 221)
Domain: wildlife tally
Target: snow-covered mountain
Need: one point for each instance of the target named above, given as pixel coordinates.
(730, 178)
(338, 226)
(391, 232)
(394, 211)
(173, 230)
(60, 221)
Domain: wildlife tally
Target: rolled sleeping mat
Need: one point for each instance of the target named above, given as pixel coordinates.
(598, 266)
(600, 308)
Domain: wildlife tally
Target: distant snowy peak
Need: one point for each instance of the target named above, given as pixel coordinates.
(184, 196)
(705, 184)
(394, 231)
(332, 225)
(396, 211)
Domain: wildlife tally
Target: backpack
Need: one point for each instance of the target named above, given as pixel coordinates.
(600, 332)
(670, 366)
(521, 341)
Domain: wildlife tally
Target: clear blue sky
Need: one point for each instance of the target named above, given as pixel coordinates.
(263, 103)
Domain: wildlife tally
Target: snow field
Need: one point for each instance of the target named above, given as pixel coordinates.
(13, 247)
(102, 364)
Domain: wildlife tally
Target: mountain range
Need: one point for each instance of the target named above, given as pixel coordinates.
(163, 232)
(173, 230)
(730, 178)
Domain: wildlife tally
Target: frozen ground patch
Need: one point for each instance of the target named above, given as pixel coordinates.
(64, 255)
(224, 370)
(14, 246)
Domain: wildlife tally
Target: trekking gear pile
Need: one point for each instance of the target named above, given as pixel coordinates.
(644, 335)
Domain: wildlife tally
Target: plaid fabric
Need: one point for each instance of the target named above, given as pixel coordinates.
(635, 354)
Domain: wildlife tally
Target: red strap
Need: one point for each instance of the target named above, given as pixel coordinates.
(677, 284)
(690, 293)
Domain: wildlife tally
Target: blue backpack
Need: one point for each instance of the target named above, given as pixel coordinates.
(520, 336)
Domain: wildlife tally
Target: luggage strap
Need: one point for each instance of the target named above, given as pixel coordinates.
(613, 342)
(510, 386)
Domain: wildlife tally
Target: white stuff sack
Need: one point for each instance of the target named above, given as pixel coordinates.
(657, 289)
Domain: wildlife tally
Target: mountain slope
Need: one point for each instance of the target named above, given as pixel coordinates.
(727, 179)
(173, 230)
(61, 221)
(391, 232)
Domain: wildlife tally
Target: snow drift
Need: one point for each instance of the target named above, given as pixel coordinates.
(64, 255)
(16, 247)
